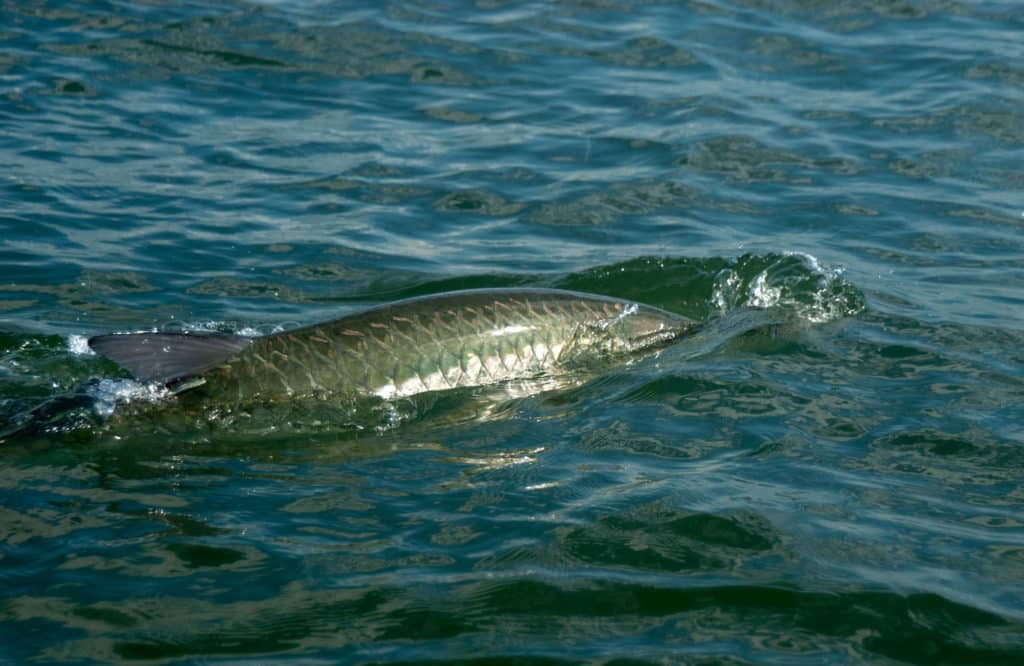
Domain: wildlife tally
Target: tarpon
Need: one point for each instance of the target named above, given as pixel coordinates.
(429, 343)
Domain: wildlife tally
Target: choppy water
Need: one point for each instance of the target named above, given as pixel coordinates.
(835, 475)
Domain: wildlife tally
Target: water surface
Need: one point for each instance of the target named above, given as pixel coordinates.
(831, 471)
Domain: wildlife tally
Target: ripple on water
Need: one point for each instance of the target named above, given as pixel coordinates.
(827, 471)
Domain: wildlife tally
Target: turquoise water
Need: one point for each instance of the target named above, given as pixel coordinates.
(831, 471)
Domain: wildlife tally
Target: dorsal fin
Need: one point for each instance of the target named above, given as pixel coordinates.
(168, 357)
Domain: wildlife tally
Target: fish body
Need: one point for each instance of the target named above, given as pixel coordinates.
(430, 343)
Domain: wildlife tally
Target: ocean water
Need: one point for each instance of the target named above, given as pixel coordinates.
(832, 471)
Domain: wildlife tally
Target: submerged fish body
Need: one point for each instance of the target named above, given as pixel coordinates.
(444, 341)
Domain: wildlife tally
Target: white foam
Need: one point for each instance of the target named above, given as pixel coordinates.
(723, 293)
(212, 326)
(811, 261)
(107, 393)
(762, 295)
(79, 345)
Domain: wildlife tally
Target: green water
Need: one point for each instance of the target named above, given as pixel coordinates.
(830, 471)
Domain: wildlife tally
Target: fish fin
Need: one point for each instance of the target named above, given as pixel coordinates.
(167, 358)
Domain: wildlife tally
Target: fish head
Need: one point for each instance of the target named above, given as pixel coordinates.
(638, 327)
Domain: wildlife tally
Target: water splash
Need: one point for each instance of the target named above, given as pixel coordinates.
(78, 345)
(108, 393)
(796, 282)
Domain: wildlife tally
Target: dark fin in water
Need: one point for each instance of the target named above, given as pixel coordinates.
(168, 357)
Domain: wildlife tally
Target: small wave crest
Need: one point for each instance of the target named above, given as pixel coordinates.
(794, 281)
